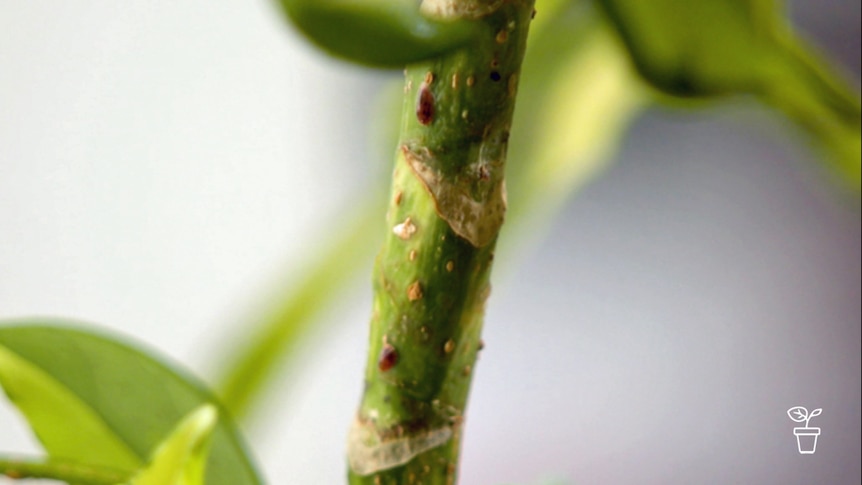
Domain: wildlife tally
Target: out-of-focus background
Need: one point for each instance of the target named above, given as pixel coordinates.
(164, 164)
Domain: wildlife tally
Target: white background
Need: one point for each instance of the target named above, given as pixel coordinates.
(162, 164)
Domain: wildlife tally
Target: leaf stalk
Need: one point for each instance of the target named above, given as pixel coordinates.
(18, 468)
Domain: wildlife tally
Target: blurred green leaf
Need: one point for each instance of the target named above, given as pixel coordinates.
(577, 96)
(252, 359)
(50, 408)
(810, 93)
(180, 459)
(380, 33)
(711, 48)
(106, 402)
(696, 48)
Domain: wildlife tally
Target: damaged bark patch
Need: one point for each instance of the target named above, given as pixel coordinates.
(449, 9)
(367, 453)
(475, 218)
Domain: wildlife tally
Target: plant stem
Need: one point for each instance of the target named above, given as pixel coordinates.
(431, 278)
(64, 471)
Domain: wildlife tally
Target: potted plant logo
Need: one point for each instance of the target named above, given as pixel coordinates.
(806, 437)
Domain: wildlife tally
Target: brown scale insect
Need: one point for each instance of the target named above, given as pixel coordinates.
(425, 105)
(414, 291)
(388, 357)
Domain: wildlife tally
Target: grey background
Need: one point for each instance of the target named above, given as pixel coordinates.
(163, 163)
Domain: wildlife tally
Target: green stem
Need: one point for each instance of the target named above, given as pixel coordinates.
(64, 471)
(817, 99)
(431, 278)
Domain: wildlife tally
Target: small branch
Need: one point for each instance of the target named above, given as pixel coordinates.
(66, 471)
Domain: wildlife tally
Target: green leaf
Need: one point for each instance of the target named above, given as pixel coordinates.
(50, 408)
(381, 33)
(577, 97)
(702, 47)
(180, 459)
(709, 48)
(252, 361)
(132, 401)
